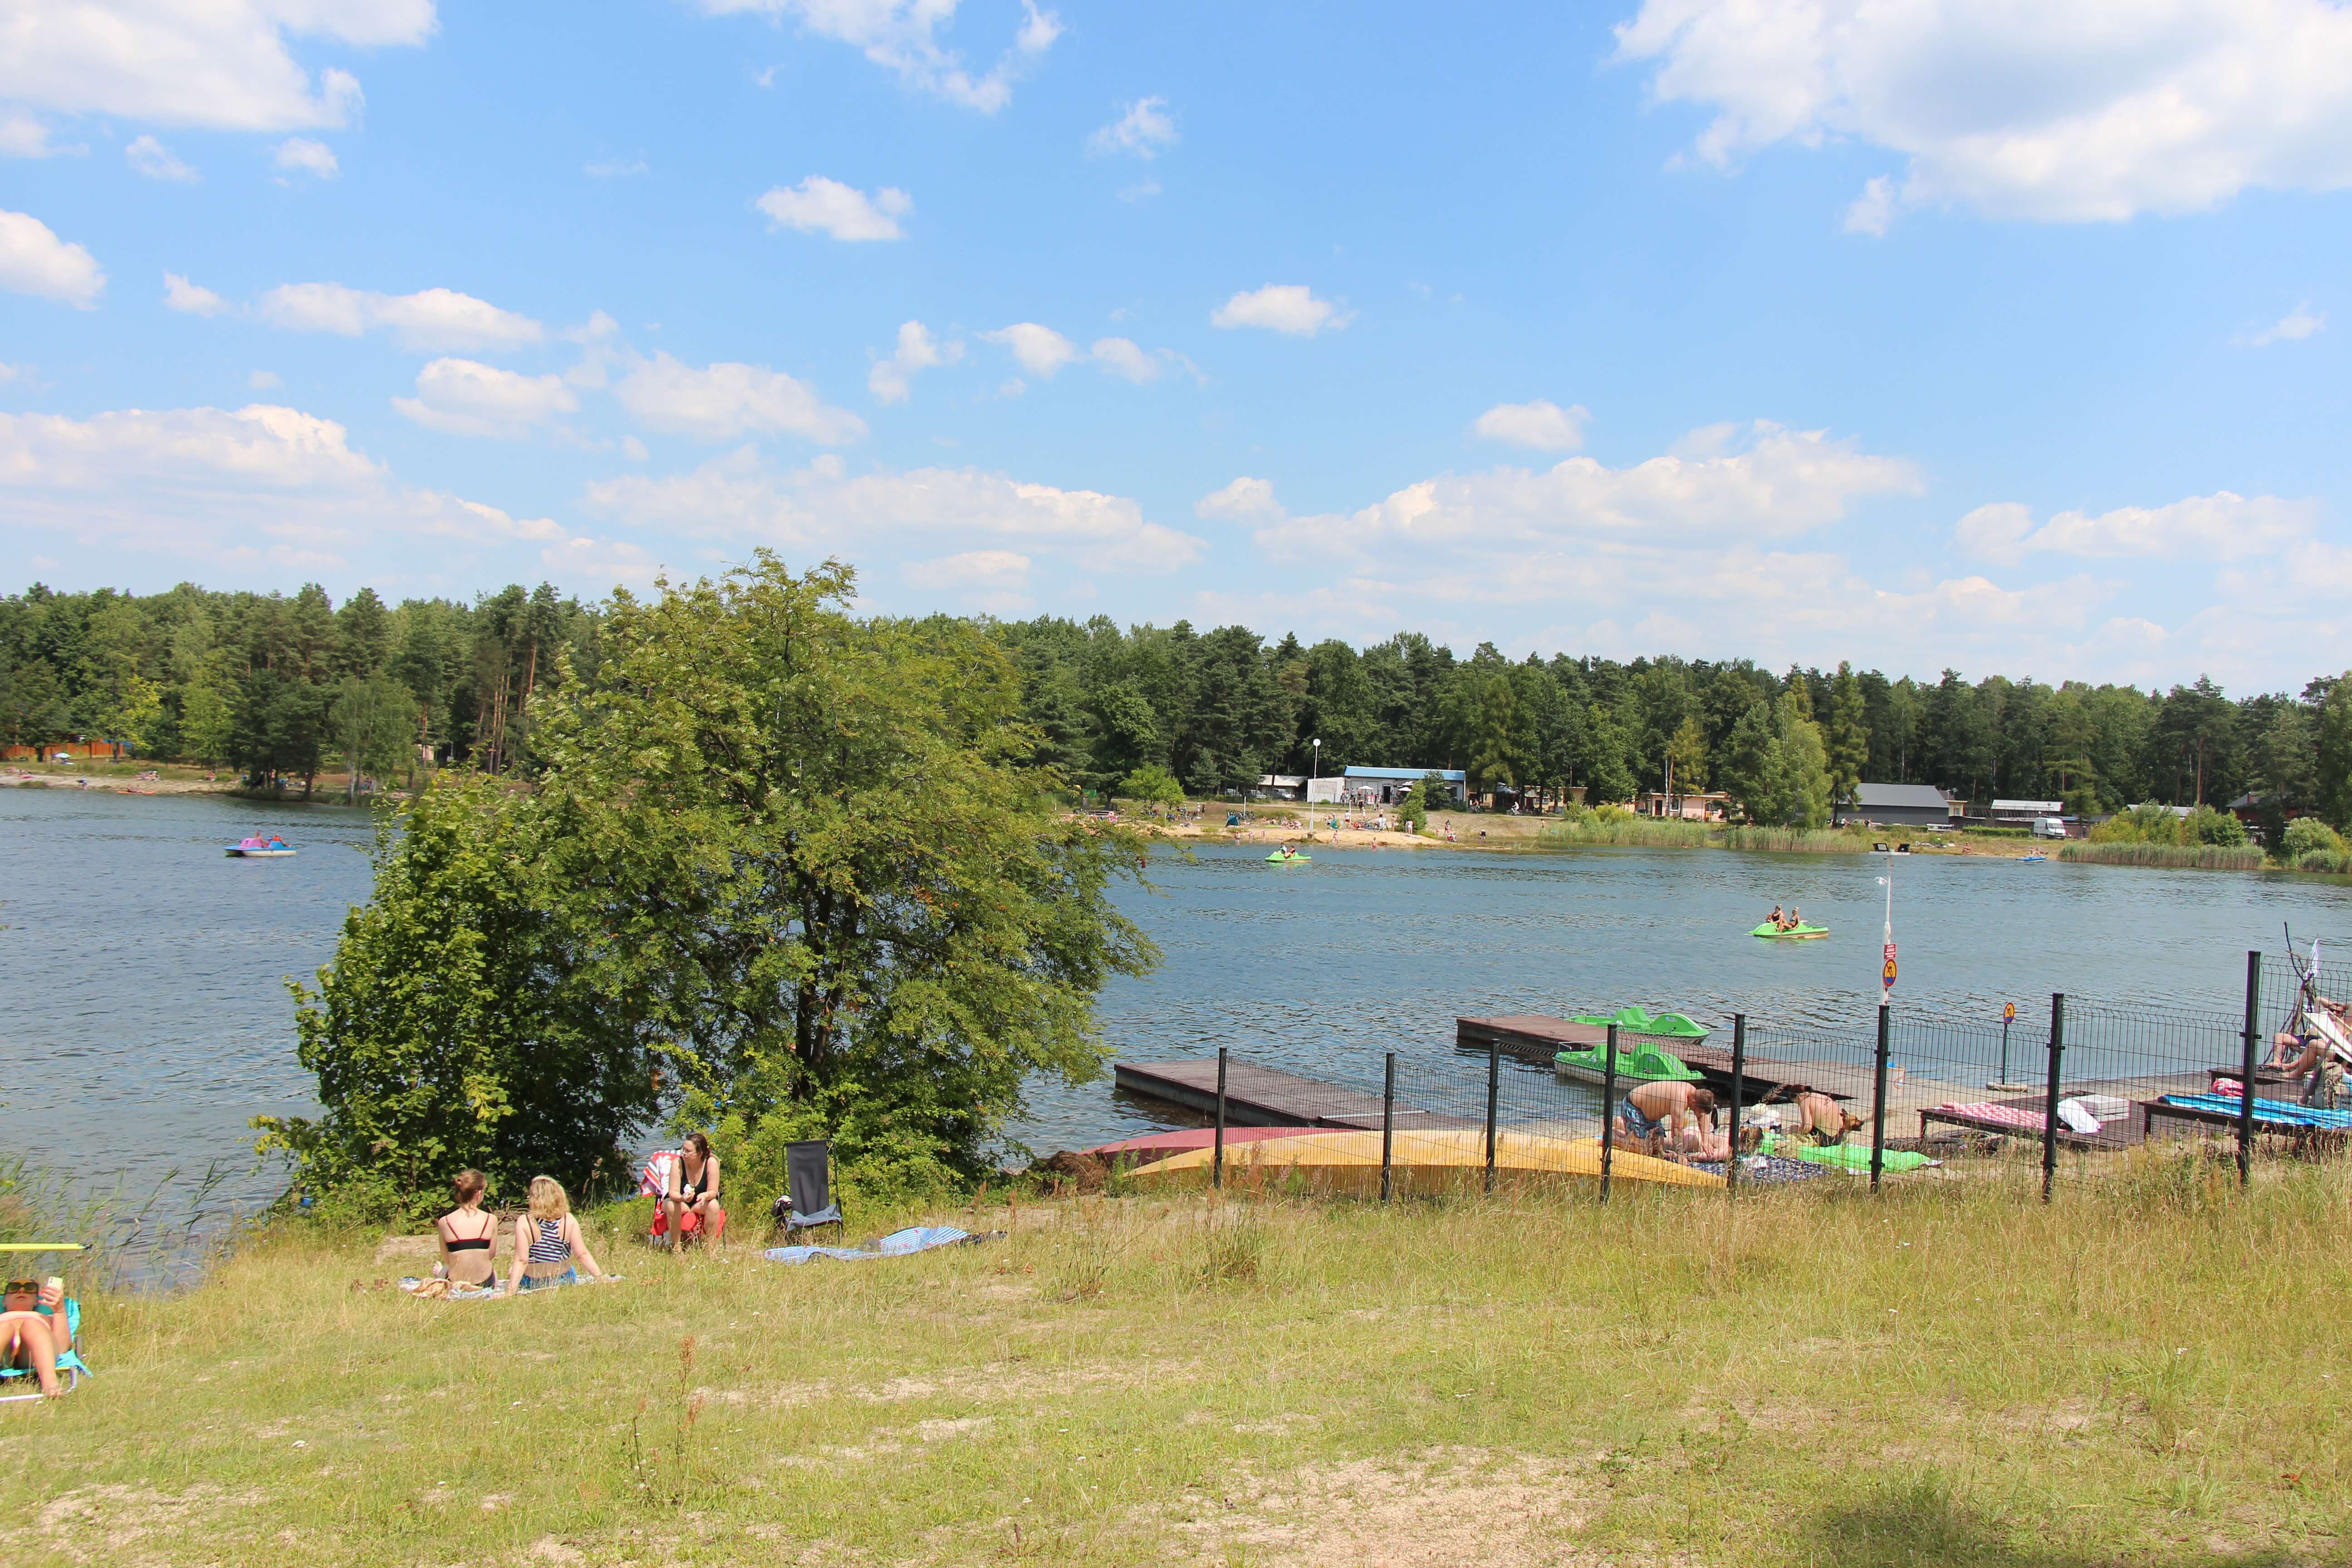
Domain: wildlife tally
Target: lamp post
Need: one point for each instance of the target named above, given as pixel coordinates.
(1314, 770)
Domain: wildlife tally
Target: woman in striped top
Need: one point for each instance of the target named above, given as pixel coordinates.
(546, 1239)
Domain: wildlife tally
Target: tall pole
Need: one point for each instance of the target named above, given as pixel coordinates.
(1494, 1087)
(1217, 1167)
(1878, 1102)
(2049, 1095)
(1738, 1088)
(2246, 1078)
(1608, 1110)
(1388, 1128)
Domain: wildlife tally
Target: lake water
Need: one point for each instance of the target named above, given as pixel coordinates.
(143, 1005)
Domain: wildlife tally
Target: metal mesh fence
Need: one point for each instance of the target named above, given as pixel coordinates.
(2076, 1086)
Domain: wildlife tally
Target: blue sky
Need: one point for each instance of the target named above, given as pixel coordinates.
(1917, 332)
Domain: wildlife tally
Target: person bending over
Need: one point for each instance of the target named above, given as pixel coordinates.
(1654, 1115)
(468, 1236)
(694, 1190)
(547, 1241)
(33, 1330)
(1823, 1120)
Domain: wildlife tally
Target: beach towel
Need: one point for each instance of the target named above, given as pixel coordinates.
(898, 1244)
(2015, 1116)
(654, 1180)
(2278, 1112)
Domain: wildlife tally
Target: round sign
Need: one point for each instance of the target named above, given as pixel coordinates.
(1888, 974)
(2008, 1013)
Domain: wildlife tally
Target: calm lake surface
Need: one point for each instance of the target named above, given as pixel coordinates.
(144, 1011)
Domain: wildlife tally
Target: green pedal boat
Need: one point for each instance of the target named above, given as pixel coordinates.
(1636, 1065)
(1639, 1021)
(1279, 858)
(1771, 932)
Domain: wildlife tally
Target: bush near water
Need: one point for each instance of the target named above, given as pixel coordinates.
(784, 873)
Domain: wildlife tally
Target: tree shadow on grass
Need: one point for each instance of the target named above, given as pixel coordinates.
(1919, 1523)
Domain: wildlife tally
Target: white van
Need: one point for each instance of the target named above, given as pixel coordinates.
(2049, 827)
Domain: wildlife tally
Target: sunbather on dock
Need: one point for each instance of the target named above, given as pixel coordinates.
(1653, 1117)
(33, 1330)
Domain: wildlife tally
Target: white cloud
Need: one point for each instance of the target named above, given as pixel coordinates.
(1122, 357)
(426, 321)
(2294, 327)
(1289, 308)
(723, 401)
(1241, 500)
(1041, 351)
(1542, 424)
(302, 155)
(157, 162)
(1145, 129)
(2222, 526)
(614, 168)
(264, 381)
(191, 298)
(819, 205)
(265, 485)
(738, 499)
(892, 380)
(467, 398)
(221, 64)
(1767, 483)
(2092, 110)
(902, 36)
(33, 260)
(22, 136)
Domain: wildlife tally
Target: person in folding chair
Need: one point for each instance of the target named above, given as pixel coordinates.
(37, 1329)
(808, 1187)
(691, 1204)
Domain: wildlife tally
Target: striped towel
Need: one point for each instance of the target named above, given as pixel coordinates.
(2015, 1116)
(2278, 1112)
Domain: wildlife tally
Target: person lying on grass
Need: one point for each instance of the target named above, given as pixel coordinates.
(1652, 1117)
(693, 1190)
(33, 1330)
(468, 1236)
(547, 1240)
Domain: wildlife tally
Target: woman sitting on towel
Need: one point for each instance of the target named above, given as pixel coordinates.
(547, 1240)
(33, 1330)
(468, 1236)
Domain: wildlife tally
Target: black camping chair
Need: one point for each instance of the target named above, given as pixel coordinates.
(808, 1196)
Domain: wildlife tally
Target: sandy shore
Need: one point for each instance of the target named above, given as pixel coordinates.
(16, 778)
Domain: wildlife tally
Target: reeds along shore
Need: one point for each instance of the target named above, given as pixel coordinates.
(2185, 856)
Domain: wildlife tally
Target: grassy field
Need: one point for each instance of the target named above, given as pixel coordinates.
(1951, 1374)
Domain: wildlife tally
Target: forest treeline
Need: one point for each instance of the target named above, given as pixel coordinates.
(280, 685)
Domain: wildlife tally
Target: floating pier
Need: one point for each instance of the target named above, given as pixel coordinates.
(1267, 1097)
(1535, 1037)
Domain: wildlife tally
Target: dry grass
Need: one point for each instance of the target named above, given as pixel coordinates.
(1949, 1374)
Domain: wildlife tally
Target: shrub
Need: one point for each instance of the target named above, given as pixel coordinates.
(2305, 835)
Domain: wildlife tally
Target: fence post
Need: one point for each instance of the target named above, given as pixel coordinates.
(1878, 1101)
(1217, 1166)
(1738, 1088)
(1388, 1127)
(1608, 1110)
(2050, 1098)
(1494, 1088)
(2246, 1079)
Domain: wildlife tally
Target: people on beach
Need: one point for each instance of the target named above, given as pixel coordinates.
(1654, 1115)
(33, 1330)
(1823, 1120)
(469, 1237)
(693, 1189)
(547, 1242)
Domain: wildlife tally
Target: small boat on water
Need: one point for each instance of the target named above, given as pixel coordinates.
(1637, 1065)
(1794, 934)
(1284, 857)
(260, 846)
(2029, 860)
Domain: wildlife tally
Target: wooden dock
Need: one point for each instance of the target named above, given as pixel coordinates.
(1267, 1097)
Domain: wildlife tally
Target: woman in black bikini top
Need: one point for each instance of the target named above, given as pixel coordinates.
(468, 1236)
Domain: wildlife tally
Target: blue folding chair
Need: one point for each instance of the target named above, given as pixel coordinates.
(71, 1368)
(808, 1178)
